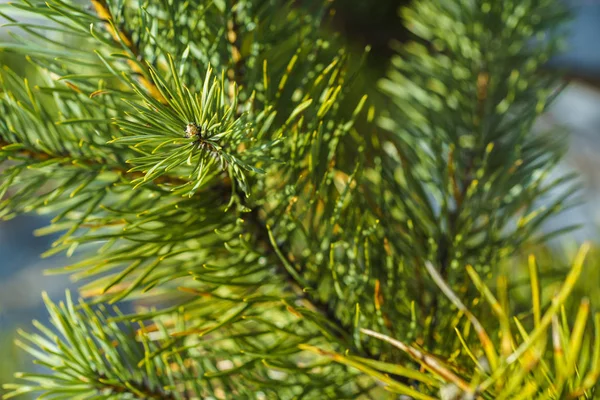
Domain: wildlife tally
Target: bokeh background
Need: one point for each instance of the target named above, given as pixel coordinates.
(577, 111)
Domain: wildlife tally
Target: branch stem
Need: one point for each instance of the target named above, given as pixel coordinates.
(125, 38)
(236, 72)
(135, 388)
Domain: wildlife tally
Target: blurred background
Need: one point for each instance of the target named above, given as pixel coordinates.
(577, 111)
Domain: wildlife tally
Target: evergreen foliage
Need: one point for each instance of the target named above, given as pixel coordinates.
(277, 235)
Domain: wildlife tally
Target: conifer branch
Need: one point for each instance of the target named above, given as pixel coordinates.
(258, 226)
(262, 236)
(39, 155)
(459, 188)
(30, 154)
(265, 241)
(236, 75)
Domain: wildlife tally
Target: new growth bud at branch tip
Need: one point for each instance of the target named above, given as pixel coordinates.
(192, 130)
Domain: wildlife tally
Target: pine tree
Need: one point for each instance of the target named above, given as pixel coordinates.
(212, 170)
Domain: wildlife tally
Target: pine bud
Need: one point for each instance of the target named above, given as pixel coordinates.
(192, 130)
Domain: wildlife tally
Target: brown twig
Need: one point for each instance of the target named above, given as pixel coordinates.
(138, 388)
(427, 360)
(236, 72)
(124, 37)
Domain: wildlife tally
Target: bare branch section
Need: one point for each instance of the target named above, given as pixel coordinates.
(236, 72)
(136, 388)
(124, 37)
(425, 359)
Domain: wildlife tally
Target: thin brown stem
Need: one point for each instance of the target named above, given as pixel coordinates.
(135, 388)
(236, 72)
(425, 359)
(122, 36)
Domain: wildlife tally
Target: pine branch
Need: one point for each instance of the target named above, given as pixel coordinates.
(263, 210)
(257, 224)
(155, 86)
(236, 75)
(473, 111)
(89, 354)
(30, 154)
(459, 191)
(39, 155)
(262, 236)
